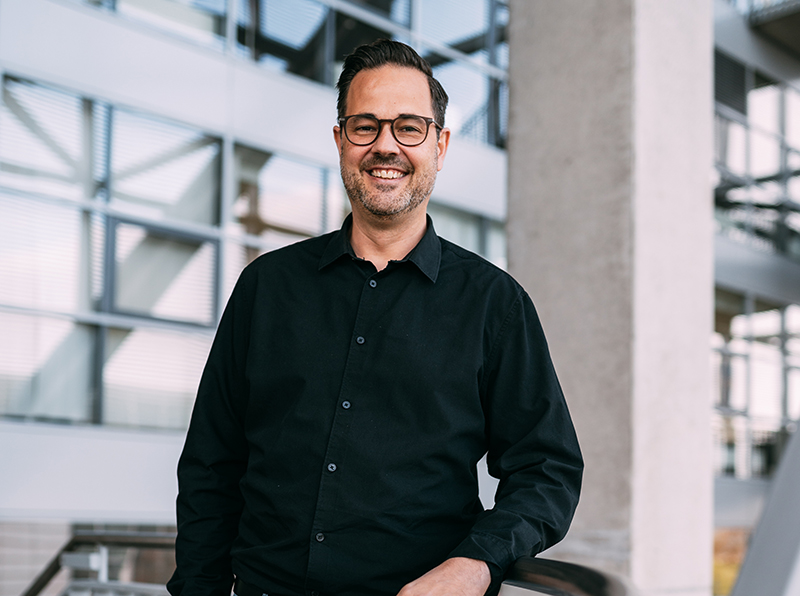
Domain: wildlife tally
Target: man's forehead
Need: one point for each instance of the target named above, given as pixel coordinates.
(389, 85)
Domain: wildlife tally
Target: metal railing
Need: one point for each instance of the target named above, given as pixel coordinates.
(74, 556)
(528, 577)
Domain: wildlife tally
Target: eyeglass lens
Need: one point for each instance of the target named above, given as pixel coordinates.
(407, 130)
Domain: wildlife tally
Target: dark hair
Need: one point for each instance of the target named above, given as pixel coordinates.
(380, 53)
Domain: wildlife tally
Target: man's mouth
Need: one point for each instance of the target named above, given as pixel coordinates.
(386, 174)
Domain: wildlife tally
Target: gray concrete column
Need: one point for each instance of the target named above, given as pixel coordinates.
(610, 231)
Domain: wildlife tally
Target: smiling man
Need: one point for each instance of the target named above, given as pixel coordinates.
(357, 378)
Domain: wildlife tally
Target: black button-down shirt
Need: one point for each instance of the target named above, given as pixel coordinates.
(341, 414)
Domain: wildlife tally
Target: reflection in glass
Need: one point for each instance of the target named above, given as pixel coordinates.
(45, 251)
(461, 24)
(45, 368)
(44, 148)
(461, 228)
(468, 111)
(164, 171)
(766, 371)
(200, 20)
(278, 194)
(496, 248)
(765, 154)
(763, 108)
(793, 118)
(731, 144)
(793, 391)
(151, 376)
(164, 277)
(306, 37)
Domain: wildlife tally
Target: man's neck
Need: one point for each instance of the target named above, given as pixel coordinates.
(381, 241)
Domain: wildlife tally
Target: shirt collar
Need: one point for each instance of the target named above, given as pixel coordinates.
(426, 255)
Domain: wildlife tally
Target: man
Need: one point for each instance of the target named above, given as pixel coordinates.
(357, 378)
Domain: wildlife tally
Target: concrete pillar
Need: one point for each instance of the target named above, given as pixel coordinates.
(610, 231)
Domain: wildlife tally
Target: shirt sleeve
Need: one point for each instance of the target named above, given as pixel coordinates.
(532, 448)
(214, 459)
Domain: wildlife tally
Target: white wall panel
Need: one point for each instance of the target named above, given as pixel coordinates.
(88, 474)
(101, 55)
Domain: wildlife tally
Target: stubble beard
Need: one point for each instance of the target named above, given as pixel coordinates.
(383, 202)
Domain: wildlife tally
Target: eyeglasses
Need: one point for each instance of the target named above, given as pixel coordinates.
(408, 130)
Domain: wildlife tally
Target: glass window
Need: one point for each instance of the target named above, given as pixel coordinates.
(793, 118)
(398, 11)
(731, 145)
(468, 89)
(44, 252)
(151, 376)
(200, 20)
(45, 368)
(766, 382)
(305, 37)
(164, 276)
(793, 391)
(42, 134)
(496, 248)
(277, 194)
(461, 24)
(763, 107)
(765, 154)
(164, 171)
(458, 227)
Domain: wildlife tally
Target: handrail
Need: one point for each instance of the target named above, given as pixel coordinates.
(541, 576)
(165, 540)
(557, 578)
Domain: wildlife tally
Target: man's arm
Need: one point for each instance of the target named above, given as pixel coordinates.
(214, 459)
(532, 449)
(458, 576)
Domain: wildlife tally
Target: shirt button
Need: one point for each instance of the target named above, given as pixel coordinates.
(319, 537)
(372, 283)
(360, 340)
(331, 467)
(314, 593)
(346, 405)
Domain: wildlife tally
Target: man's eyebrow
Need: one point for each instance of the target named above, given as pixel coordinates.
(406, 115)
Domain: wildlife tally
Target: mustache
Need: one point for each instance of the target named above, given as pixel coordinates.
(386, 162)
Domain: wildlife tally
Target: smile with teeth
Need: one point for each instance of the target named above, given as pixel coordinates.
(386, 174)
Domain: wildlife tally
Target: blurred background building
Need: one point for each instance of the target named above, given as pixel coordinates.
(149, 149)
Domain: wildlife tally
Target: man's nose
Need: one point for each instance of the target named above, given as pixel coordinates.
(385, 143)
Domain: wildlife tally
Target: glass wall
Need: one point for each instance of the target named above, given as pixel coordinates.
(756, 363)
(757, 196)
(465, 41)
(757, 202)
(115, 255)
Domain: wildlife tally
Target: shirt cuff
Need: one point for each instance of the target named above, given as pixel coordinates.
(491, 552)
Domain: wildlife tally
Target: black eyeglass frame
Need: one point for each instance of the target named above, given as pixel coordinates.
(428, 121)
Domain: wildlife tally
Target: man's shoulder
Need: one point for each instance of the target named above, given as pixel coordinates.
(459, 260)
(298, 254)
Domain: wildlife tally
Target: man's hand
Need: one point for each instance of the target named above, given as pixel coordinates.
(458, 576)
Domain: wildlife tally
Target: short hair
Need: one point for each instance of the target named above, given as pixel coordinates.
(380, 53)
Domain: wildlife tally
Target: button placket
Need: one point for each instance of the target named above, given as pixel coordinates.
(333, 478)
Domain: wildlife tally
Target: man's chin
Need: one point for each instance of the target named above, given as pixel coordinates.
(384, 210)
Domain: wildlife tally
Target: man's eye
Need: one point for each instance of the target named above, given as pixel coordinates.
(409, 129)
(365, 128)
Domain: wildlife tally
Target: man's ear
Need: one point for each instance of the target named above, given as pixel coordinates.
(337, 138)
(442, 143)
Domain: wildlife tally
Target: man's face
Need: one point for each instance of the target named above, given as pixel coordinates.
(385, 178)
